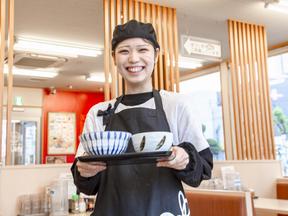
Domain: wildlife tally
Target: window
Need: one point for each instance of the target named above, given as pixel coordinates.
(278, 78)
(204, 92)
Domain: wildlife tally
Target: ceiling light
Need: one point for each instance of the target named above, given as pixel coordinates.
(277, 5)
(187, 63)
(55, 48)
(30, 72)
(97, 77)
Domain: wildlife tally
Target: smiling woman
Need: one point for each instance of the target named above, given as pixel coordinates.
(143, 109)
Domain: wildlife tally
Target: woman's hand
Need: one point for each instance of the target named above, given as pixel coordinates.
(178, 160)
(89, 169)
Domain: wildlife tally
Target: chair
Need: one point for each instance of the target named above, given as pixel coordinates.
(219, 203)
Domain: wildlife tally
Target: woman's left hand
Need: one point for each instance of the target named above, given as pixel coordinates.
(178, 160)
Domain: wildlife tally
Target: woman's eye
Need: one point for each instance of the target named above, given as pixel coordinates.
(123, 51)
(143, 50)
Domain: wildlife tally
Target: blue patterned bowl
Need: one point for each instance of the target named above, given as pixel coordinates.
(105, 142)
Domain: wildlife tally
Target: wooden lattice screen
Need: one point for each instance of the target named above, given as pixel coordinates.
(254, 138)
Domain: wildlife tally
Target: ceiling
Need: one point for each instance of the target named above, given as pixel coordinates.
(79, 21)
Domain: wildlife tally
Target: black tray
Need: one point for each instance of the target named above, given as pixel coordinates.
(128, 158)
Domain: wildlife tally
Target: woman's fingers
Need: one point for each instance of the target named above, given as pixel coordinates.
(178, 159)
(90, 169)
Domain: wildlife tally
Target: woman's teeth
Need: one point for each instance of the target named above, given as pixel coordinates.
(134, 69)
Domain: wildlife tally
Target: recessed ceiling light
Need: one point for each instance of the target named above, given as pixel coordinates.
(97, 77)
(29, 72)
(55, 48)
(187, 62)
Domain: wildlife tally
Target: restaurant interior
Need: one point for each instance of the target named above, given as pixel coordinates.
(228, 58)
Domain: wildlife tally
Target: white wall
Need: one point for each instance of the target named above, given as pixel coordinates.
(260, 175)
(30, 96)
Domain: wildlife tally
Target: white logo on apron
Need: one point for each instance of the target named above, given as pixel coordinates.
(183, 205)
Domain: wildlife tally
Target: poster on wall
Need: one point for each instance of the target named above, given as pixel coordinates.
(55, 159)
(61, 132)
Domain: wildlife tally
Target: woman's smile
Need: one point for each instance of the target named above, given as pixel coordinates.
(135, 69)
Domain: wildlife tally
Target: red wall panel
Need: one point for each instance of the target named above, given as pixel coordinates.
(62, 101)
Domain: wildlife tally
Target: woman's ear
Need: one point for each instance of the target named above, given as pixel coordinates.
(157, 51)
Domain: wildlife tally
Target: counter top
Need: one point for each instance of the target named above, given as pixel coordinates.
(271, 206)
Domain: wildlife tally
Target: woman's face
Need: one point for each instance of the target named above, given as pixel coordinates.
(135, 60)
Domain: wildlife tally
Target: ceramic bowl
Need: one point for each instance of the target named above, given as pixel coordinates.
(152, 141)
(105, 142)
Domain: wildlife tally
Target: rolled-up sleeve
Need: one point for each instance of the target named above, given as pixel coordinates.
(191, 138)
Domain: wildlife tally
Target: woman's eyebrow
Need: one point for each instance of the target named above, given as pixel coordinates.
(129, 46)
(123, 46)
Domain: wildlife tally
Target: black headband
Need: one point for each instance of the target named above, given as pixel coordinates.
(133, 29)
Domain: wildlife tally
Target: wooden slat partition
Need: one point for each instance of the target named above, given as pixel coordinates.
(2, 57)
(161, 54)
(165, 23)
(250, 91)
(175, 44)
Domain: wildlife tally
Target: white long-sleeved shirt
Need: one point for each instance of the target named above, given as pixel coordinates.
(179, 112)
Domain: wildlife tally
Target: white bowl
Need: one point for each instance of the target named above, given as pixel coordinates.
(105, 142)
(152, 141)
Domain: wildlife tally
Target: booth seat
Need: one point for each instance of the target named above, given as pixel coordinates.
(219, 203)
(282, 190)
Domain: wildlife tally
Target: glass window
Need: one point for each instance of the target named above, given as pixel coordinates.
(278, 77)
(23, 142)
(204, 92)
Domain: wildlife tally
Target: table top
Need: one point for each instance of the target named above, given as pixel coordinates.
(271, 205)
(81, 214)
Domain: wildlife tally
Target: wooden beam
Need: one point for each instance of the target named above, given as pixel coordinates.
(2, 58)
(261, 93)
(252, 90)
(171, 49)
(165, 48)
(118, 22)
(161, 54)
(113, 69)
(278, 46)
(270, 120)
(10, 79)
(106, 49)
(155, 72)
(242, 74)
(176, 52)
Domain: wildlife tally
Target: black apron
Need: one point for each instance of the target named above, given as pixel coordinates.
(142, 189)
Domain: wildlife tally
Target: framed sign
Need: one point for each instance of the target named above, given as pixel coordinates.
(55, 159)
(200, 47)
(61, 133)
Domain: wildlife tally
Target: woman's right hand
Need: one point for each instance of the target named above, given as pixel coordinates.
(89, 169)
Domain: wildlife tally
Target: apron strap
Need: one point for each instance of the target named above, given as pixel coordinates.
(158, 100)
(118, 101)
(109, 111)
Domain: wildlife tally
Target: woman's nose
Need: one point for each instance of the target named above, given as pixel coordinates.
(133, 57)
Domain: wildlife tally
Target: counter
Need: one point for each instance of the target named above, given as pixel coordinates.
(277, 206)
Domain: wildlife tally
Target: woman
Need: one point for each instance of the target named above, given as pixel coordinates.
(143, 189)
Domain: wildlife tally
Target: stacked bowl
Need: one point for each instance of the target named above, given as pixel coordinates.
(105, 142)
